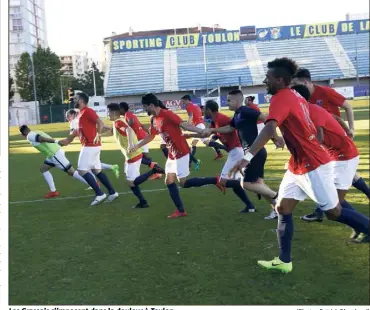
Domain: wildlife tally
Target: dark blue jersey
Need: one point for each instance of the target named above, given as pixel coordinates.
(245, 122)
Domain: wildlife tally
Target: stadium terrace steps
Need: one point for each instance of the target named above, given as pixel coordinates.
(233, 63)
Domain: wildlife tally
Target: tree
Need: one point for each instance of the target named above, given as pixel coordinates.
(23, 76)
(47, 75)
(85, 82)
(11, 83)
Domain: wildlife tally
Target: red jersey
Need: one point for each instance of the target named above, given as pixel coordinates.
(256, 108)
(230, 140)
(290, 110)
(195, 110)
(167, 125)
(328, 99)
(340, 146)
(87, 127)
(136, 126)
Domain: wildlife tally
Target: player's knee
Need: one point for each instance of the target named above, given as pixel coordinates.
(130, 184)
(333, 214)
(43, 169)
(223, 182)
(282, 209)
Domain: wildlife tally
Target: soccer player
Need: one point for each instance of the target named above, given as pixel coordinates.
(212, 141)
(140, 133)
(72, 118)
(169, 125)
(125, 137)
(341, 149)
(310, 169)
(89, 132)
(195, 118)
(235, 153)
(249, 102)
(331, 101)
(245, 122)
(54, 155)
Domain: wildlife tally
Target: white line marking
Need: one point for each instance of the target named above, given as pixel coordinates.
(87, 196)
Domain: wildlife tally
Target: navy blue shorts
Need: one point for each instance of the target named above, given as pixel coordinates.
(256, 168)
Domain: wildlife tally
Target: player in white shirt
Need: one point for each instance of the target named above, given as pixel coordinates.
(72, 118)
(54, 157)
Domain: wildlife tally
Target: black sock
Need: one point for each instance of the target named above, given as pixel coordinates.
(193, 149)
(361, 186)
(198, 182)
(104, 179)
(284, 232)
(175, 196)
(192, 159)
(146, 161)
(143, 177)
(240, 192)
(218, 151)
(217, 145)
(165, 151)
(89, 178)
(137, 192)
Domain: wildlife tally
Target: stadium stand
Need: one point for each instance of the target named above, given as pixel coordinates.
(154, 69)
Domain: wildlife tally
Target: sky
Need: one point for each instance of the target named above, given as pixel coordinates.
(81, 25)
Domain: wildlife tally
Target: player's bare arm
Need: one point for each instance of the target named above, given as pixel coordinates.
(45, 139)
(265, 135)
(130, 122)
(190, 119)
(130, 136)
(276, 139)
(343, 124)
(320, 134)
(225, 129)
(69, 139)
(146, 140)
(189, 127)
(350, 118)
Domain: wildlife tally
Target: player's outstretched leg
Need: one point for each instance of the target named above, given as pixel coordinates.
(241, 193)
(114, 168)
(285, 229)
(198, 182)
(49, 180)
(360, 184)
(105, 181)
(90, 179)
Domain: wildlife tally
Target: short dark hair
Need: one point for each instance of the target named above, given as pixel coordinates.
(162, 105)
(186, 97)
(150, 99)
(302, 90)
(84, 97)
(124, 106)
(284, 67)
(251, 97)
(113, 107)
(303, 73)
(72, 112)
(23, 128)
(236, 92)
(212, 105)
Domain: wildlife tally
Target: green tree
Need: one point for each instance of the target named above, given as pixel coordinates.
(47, 75)
(11, 83)
(23, 76)
(85, 82)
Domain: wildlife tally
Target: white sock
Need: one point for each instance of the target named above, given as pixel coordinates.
(106, 166)
(49, 179)
(77, 176)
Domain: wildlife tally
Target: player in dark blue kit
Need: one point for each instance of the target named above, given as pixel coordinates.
(245, 122)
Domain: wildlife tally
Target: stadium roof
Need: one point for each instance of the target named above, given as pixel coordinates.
(164, 32)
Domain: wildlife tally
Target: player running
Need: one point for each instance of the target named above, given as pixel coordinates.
(249, 102)
(131, 119)
(341, 148)
(169, 125)
(195, 118)
(310, 169)
(235, 153)
(125, 137)
(331, 101)
(89, 132)
(72, 118)
(54, 155)
(245, 123)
